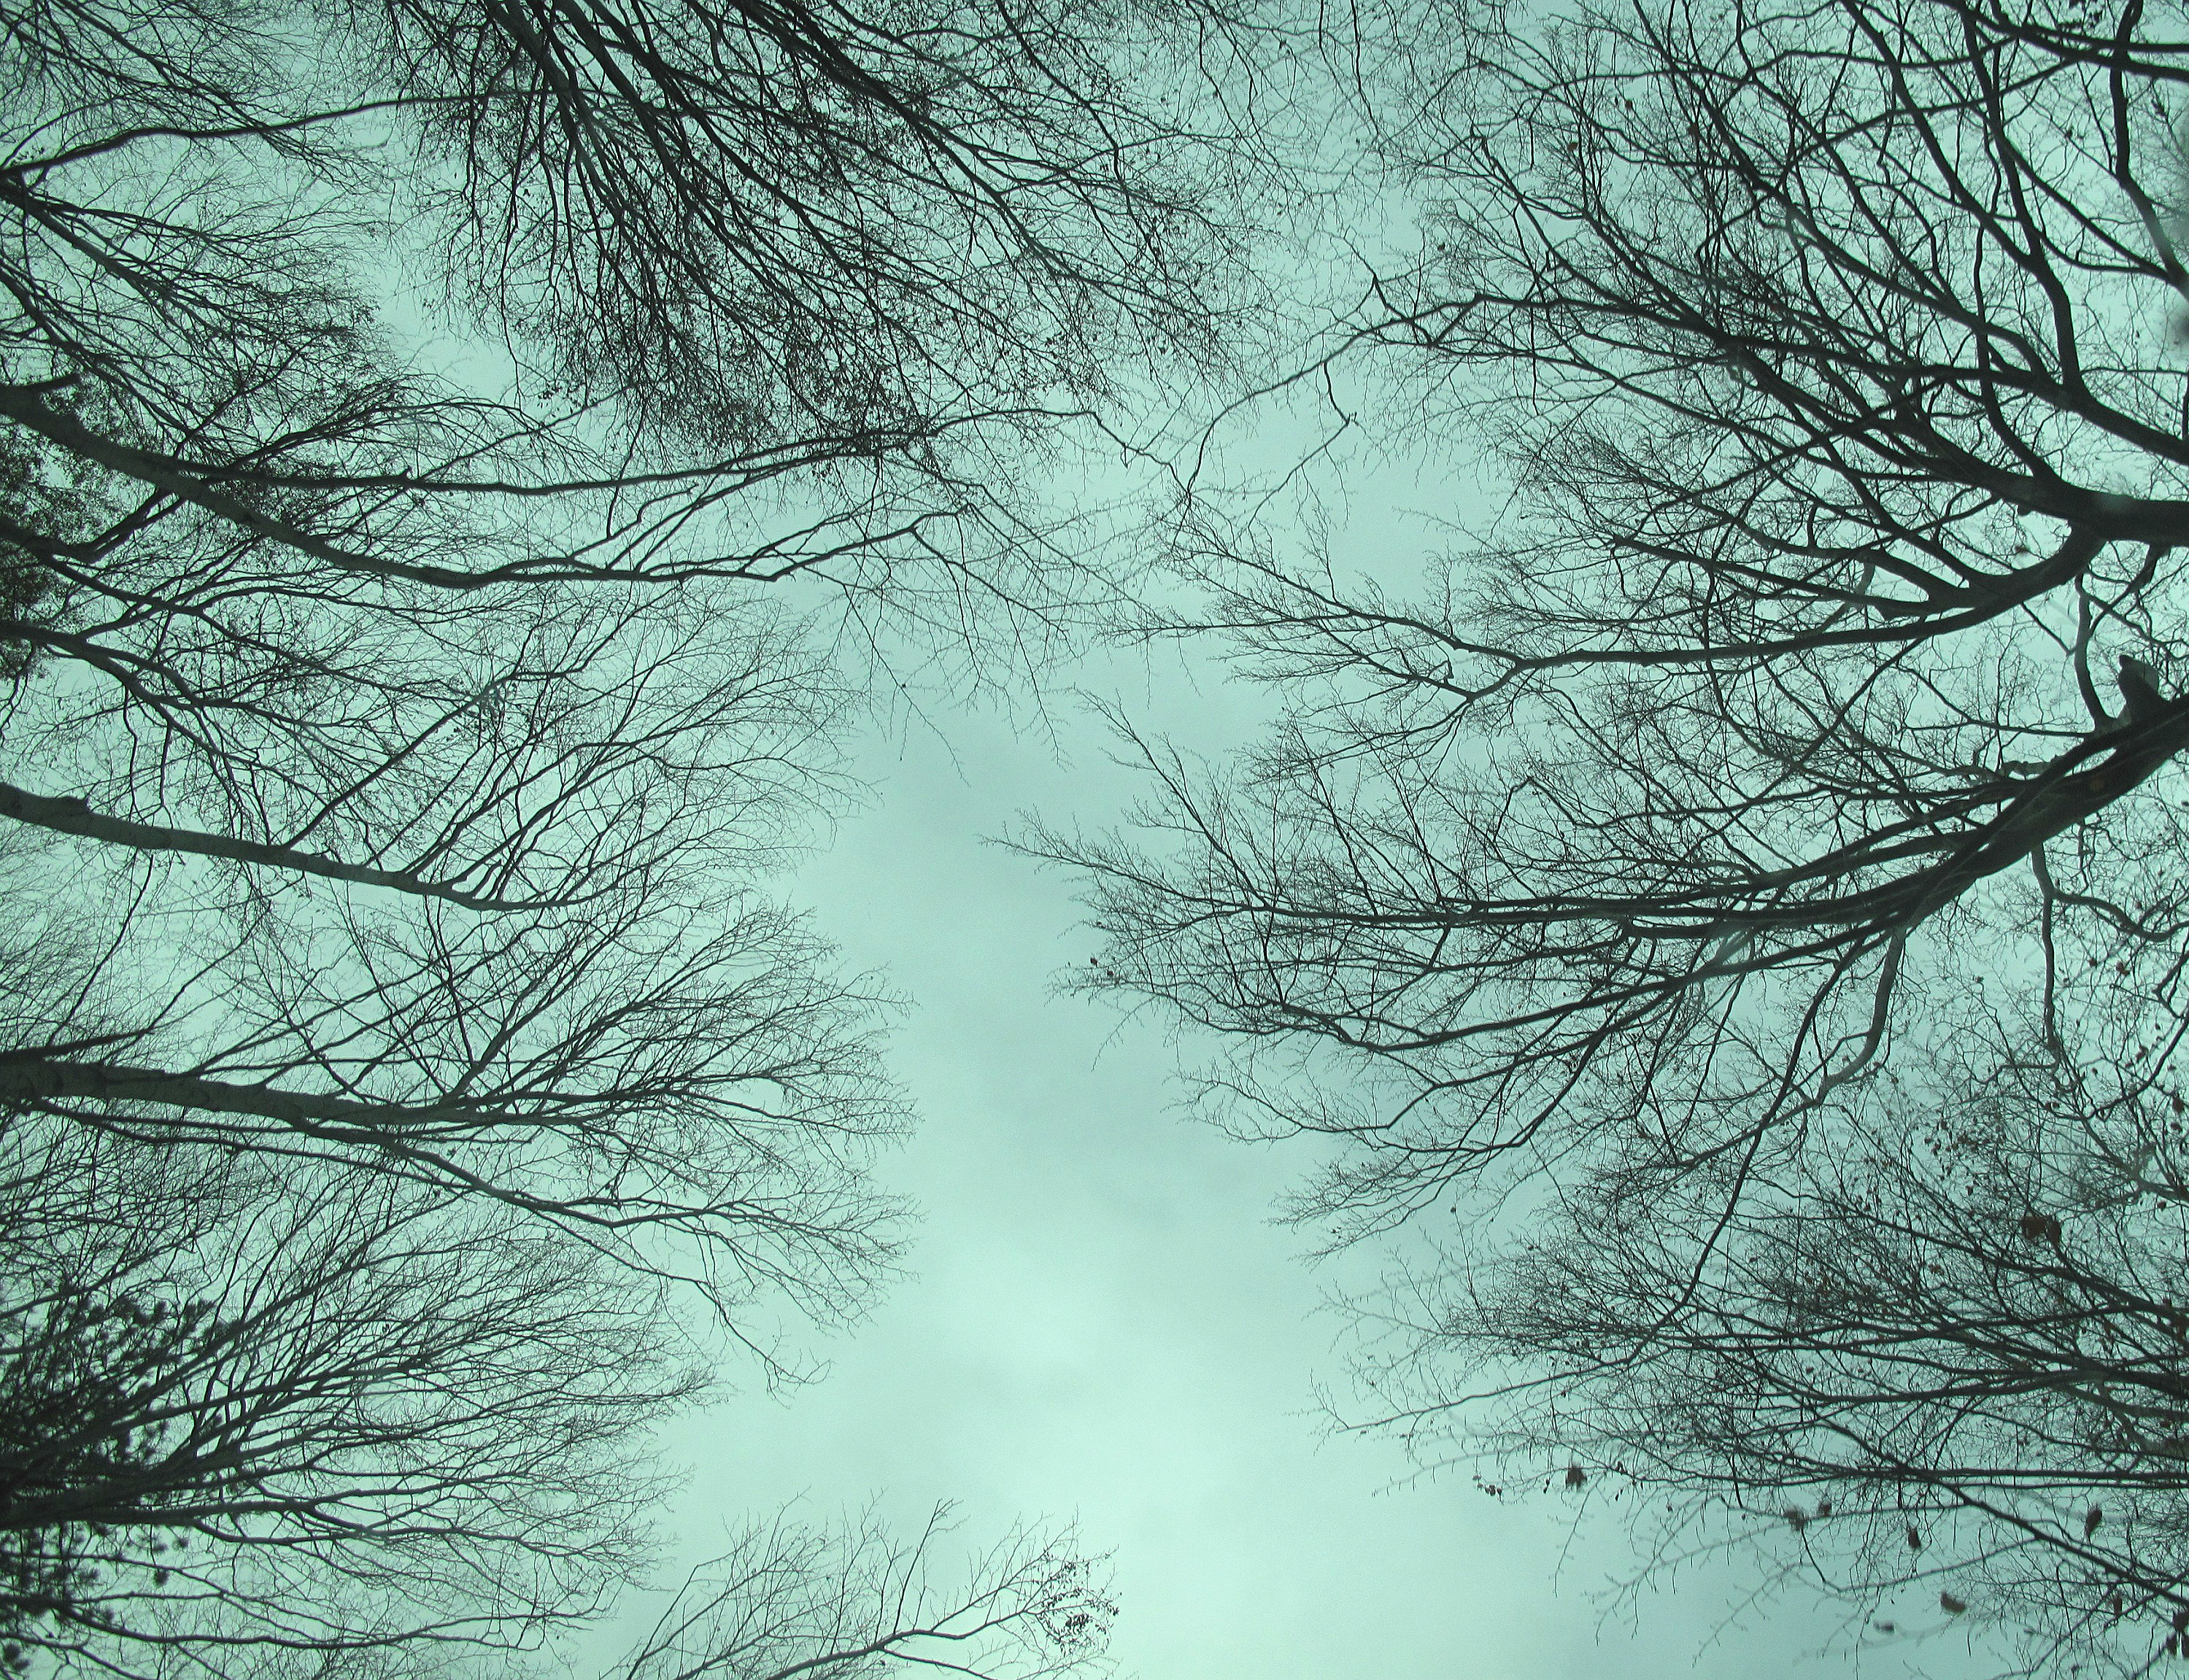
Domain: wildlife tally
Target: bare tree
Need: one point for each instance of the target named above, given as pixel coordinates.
(696, 1094)
(260, 1417)
(789, 1599)
(1934, 1356)
(460, 468)
(762, 291)
(251, 1408)
(1842, 421)
(1815, 699)
(425, 730)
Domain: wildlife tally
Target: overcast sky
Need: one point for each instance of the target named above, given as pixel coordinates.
(1105, 1324)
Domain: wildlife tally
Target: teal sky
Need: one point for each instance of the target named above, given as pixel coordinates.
(1103, 1322)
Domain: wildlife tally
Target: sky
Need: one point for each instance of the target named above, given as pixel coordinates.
(1104, 1324)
